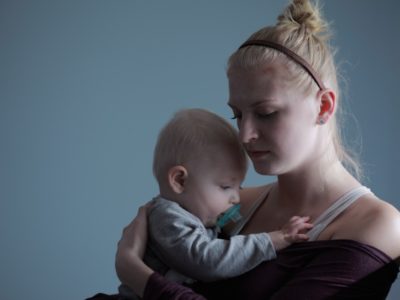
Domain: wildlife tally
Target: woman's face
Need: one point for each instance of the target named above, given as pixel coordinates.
(277, 122)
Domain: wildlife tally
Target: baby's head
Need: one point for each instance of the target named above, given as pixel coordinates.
(199, 162)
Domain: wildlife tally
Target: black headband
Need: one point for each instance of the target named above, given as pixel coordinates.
(298, 59)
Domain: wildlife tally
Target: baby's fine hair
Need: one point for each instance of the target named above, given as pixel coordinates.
(302, 29)
(195, 137)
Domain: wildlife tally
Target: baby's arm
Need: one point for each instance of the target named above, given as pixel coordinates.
(292, 232)
(181, 241)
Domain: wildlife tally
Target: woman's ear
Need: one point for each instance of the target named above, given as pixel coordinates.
(327, 99)
(177, 176)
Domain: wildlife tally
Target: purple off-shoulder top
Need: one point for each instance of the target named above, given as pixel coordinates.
(334, 269)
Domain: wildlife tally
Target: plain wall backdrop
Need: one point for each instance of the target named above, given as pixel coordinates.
(85, 87)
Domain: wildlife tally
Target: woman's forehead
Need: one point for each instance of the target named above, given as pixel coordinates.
(254, 87)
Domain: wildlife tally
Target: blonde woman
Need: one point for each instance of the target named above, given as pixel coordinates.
(284, 94)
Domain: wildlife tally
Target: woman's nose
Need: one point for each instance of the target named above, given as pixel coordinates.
(247, 131)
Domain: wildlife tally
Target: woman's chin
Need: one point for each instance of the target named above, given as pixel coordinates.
(267, 168)
(263, 169)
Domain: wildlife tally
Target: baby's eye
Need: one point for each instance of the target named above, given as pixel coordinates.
(225, 187)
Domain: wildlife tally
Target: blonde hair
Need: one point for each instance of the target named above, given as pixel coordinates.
(301, 29)
(196, 137)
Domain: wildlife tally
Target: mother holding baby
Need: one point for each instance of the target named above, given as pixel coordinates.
(284, 95)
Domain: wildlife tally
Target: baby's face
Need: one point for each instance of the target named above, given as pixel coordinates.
(211, 191)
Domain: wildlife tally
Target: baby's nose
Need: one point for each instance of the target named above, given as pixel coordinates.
(235, 199)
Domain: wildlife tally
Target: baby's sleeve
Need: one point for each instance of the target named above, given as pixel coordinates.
(181, 241)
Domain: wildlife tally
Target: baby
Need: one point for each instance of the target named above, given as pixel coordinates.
(199, 164)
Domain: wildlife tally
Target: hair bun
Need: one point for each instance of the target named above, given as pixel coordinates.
(304, 16)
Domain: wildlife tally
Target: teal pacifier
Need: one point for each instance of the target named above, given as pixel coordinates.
(232, 214)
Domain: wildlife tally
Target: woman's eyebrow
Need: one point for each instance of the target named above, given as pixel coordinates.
(269, 101)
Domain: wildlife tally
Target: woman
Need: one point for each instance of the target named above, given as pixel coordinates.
(284, 95)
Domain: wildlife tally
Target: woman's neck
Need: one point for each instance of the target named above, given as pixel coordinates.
(314, 188)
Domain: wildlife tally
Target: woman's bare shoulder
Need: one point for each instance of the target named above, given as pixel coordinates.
(375, 222)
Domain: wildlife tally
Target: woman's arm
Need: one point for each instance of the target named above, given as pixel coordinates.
(132, 271)
(128, 261)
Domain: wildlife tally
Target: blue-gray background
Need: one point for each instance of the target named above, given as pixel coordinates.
(86, 85)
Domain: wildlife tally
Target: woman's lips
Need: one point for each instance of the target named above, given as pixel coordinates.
(257, 154)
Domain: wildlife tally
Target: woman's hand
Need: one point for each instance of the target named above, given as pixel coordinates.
(134, 236)
(129, 264)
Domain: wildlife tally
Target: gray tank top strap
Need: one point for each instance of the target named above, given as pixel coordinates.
(260, 200)
(335, 209)
(321, 222)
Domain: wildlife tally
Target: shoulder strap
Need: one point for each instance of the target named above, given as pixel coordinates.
(335, 209)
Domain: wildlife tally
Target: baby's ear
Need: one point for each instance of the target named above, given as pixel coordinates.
(177, 176)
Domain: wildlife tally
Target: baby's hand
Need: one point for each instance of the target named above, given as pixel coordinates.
(292, 232)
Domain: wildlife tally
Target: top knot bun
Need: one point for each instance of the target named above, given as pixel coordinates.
(303, 16)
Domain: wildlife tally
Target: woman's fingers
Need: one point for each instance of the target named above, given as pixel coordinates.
(134, 235)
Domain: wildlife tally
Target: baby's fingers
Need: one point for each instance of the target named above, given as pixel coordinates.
(305, 226)
(295, 220)
(301, 237)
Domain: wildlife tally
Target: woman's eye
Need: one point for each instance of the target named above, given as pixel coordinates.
(236, 117)
(266, 115)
